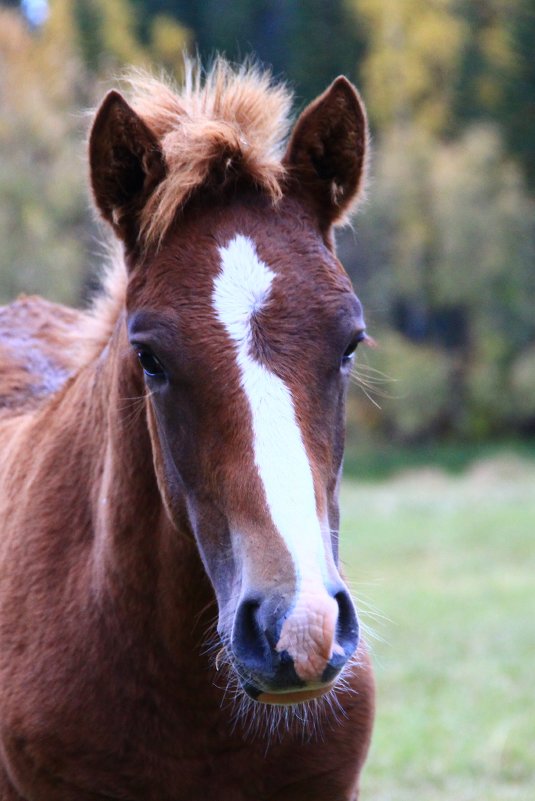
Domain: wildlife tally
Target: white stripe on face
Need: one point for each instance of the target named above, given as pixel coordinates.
(241, 289)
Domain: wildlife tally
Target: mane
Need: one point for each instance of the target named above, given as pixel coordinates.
(224, 124)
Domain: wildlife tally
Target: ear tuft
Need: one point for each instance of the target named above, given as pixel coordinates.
(126, 165)
(327, 152)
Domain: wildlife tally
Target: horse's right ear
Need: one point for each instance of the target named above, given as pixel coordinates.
(126, 165)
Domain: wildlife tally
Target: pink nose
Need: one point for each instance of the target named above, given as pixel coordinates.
(283, 650)
(308, 635)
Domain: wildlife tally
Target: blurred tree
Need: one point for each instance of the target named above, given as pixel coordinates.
(497, 74)
(122, 32)
(487, 60)
(449, 237)
(43, 215)
(109, 34)
(323, 40)
(310, 43)
(414, 49)
(449, 209)
(106, 33)
(519, 92)
(168, 42)
(447, 241)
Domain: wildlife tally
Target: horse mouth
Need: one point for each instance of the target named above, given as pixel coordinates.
(287, 697)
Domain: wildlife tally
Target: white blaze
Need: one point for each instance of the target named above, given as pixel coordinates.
(241, 289)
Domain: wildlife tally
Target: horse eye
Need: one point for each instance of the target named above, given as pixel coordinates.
(352, 347)
(150, 364)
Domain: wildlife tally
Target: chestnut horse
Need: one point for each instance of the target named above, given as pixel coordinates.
(173, 623)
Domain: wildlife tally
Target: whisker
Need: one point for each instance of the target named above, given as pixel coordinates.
(370, 381)
(133, 406)
(373, 373)
(305, 722)
(364, 390)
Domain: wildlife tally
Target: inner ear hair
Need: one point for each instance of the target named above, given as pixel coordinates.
(126, 164)
(326, 155)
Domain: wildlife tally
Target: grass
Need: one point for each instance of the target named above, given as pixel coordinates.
(445, 566)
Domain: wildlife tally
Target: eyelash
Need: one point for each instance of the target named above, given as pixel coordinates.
(352, 347)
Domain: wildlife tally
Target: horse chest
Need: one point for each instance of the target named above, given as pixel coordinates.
(185, 764)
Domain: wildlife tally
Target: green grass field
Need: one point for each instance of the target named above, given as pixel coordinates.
(443, 568)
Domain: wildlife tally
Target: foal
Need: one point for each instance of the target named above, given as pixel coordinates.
(173, 456)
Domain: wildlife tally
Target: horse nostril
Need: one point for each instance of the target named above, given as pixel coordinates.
(347, 636)
(347, 627)
(249, 642)
(255, 635)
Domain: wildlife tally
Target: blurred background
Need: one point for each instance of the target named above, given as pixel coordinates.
(442, 256)
(443, 252)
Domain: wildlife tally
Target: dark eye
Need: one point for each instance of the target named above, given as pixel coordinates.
(150, 364)
(352, 347)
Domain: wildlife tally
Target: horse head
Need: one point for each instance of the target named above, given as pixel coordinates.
(245, 327)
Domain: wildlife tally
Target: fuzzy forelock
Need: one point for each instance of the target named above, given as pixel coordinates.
(229, 120)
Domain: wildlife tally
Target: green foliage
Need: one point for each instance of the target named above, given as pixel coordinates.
(487, 62)
(106, 33)
(414, 52)
(43, 216)
(446, 244)
(497, 74)
(449, 232)
(519, 105)
(452, 215)
(168, 42)
(416, 403)
(522, 389)
(308, 43)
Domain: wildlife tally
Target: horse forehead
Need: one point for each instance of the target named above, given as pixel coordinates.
(296, 272)
(252, 270)
(304, 275)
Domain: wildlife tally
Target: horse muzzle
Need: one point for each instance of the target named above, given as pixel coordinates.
(291, 655)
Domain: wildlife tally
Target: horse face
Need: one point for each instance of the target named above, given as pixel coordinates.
(246, 334)
(245, 326)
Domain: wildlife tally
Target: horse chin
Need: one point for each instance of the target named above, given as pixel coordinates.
(289, 697)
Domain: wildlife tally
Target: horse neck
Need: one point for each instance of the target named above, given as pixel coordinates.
(136, 546)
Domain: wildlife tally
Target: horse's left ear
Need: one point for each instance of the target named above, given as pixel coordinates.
(126, 165)
(327, 151)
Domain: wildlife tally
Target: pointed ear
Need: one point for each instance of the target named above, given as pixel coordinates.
(327, 151)
(126, 165)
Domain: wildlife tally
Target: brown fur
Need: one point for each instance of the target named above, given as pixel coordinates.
(111, 573)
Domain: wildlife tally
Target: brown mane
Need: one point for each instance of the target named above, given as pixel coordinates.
(228, 121)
